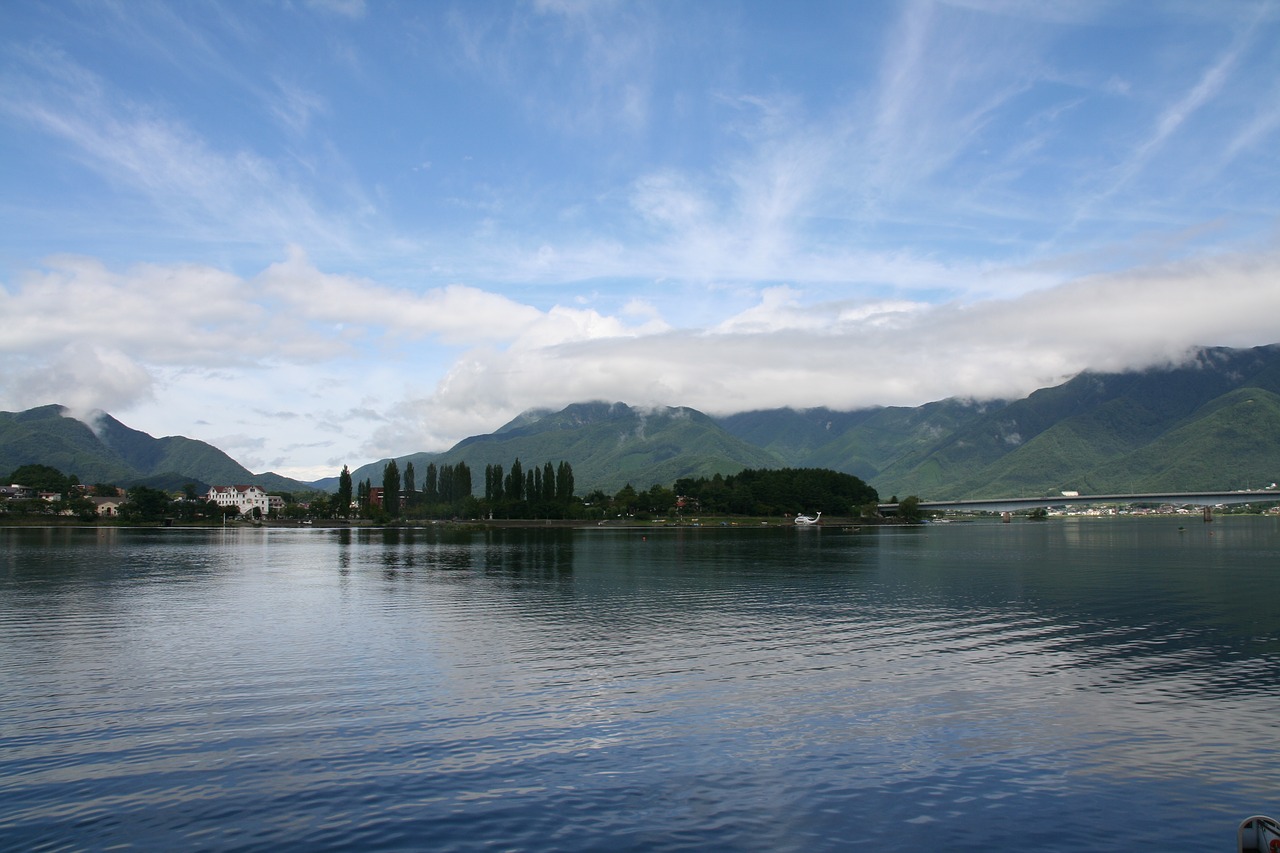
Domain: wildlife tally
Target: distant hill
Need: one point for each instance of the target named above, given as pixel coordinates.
(111, 452)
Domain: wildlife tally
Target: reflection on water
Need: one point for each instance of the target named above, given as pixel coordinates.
(753, 689)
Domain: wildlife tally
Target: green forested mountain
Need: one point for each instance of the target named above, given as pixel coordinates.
(792, 434)
(1089, 432)
(111, 452)
(1183, 427)
(1212, 423)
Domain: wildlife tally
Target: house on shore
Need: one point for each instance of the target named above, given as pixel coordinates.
(107, 507)
(247, 498)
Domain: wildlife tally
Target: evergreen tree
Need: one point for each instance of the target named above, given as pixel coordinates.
(344, 493)
(364, 498)
(410, 486)
(431, 488)
(446, 484)
(391, 488)
(564, 482)
(548, 483)
(515, 482)
(461, 481)
(493, 484)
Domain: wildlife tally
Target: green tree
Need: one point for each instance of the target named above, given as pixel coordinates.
(909, 509)
(548, 482)
(42, 478)
(344, 493)
(431, 487)
(625, 499)
(493, 491)
(445, 484)
(658, 499)
(564, 482)
(410, 486)
(515, 482)
(391, 488)
(146, 504)
(363, 497)
(462, 481)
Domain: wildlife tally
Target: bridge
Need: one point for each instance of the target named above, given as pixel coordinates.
(1175, 498)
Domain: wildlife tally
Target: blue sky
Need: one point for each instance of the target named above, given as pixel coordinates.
(317, 233)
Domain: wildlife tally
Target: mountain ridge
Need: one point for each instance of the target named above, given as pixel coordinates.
(111, 452)
(1212, 421)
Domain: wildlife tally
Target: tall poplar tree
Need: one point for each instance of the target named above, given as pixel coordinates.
(461, 481)
(363, 497)
(564, 482)
(548, 482)
(431, 488)
(515, 481)
(391, 488)
(344, 493)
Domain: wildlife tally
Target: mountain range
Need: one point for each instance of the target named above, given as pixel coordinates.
(1212, 422)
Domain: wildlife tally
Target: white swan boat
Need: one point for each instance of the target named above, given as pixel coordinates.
(806, 519)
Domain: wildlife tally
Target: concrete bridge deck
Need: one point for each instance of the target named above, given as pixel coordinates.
(1175, 498)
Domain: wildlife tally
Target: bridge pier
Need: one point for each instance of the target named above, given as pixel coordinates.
(1208, 514)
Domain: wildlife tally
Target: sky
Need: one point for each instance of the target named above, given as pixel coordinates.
(329, 232)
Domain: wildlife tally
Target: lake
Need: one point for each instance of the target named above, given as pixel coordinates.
(1070, 685)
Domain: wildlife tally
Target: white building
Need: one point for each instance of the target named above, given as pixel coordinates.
(245, 497)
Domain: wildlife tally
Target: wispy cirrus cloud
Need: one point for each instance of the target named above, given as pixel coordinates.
(138, 148)
(580, 68)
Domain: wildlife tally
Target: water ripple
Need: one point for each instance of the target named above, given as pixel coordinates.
(317, 690)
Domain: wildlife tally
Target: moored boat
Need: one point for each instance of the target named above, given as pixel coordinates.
(1259, 834)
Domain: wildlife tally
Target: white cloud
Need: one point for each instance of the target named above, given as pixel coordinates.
(846, 355)
(82, 376)
(179, 344)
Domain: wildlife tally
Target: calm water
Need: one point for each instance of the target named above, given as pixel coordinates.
(1070, 685)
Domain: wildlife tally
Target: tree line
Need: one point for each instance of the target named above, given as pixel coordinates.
(548, 491)
(141, 504)
(779, 491)
(448, 491)
(514, 491)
